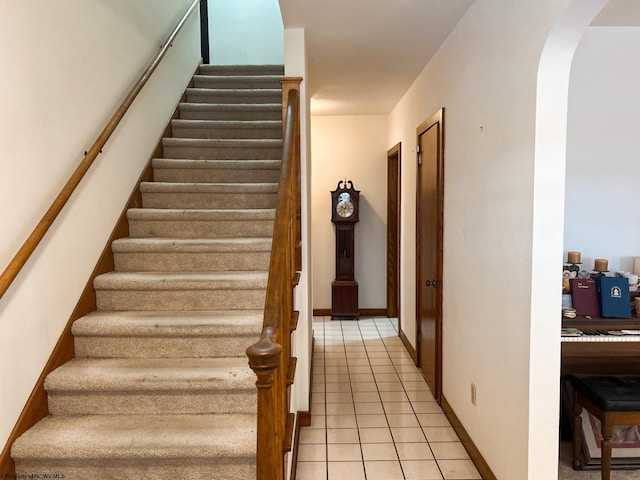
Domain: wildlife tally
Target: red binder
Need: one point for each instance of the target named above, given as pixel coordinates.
(584, 296)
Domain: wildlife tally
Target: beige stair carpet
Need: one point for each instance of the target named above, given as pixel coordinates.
(160, 386)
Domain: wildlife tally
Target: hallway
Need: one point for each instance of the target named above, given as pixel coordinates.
(373, 416)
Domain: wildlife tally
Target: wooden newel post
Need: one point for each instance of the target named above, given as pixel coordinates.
(264, 360)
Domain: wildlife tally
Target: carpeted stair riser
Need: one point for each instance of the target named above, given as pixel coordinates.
(178, 255)
(173, 291)
(215, 171)
(208, 195)
(230, 130)
(137, 386)
(149, 447)
(231, 112)
(241, 70)
(233, 96)
(237, 81)
(166, 334)
(209, 149)
(145, 222)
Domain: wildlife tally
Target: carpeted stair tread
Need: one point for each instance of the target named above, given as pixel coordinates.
(224, 290)
(245, 214)
(141, 437)
(236, 81)
(225, 149)
(200, 223)
(184, 163)
(169, 324)
(231, 70)
(126, 386)
(251, 244)
(196, 255)
(181, 170)
(154, 374)
(215, 171)
(181, 281)
(263, 129)
(225, 143)
(208, 188)
(169, 334)
(230, 111)
(208, 195)
(233, 95)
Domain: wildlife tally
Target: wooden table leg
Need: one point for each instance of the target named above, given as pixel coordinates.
(607, 432)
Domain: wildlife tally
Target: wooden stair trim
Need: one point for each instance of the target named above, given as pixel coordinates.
(291, 374)
(294, 321)
(287, 442)
(303, 419)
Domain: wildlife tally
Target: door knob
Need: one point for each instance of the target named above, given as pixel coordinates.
(432, 283)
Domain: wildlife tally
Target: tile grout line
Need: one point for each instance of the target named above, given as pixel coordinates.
(375, 336)
(353, 400)
(382, 402)
(416, 416)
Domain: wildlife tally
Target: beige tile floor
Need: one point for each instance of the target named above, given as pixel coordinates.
(373, 416)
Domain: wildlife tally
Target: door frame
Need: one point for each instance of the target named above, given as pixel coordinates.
(204, 31)
(436, 118)
(394, 185)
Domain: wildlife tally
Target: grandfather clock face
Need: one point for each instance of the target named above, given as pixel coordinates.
(345, 203)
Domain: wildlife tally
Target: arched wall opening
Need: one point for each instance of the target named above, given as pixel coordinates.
(551, 143)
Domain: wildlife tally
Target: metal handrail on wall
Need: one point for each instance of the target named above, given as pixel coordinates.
(32, 242)
(270, 358)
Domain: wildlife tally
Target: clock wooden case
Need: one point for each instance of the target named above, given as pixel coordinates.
(345, 207)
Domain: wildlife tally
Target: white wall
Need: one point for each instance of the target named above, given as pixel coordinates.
(603, 149)
(245, 32)
(485, 75)
(296, 66)
(352, 148)
(68, 67)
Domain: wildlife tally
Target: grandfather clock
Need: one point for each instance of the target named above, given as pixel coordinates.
(344, 215)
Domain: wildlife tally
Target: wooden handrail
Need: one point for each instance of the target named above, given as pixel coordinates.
(32, 242)
(270, 358)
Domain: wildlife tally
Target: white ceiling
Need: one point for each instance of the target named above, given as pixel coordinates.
(364, 54)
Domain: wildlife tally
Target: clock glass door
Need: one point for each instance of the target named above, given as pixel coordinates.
(344, 252)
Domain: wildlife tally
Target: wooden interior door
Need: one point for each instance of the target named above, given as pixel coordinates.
(429, 218)
(393, 233)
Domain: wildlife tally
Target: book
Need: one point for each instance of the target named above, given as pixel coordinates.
(584, 296)
(570, 332)
(613, 293)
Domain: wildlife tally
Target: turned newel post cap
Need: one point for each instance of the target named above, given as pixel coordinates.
(265, 354)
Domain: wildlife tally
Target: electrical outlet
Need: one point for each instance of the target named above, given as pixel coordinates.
(473, 394)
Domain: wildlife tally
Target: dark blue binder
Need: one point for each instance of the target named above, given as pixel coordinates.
(613, 294)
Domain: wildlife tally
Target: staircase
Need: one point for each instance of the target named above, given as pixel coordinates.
(160, 386)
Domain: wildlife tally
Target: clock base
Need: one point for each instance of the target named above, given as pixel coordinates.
(344, 299)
